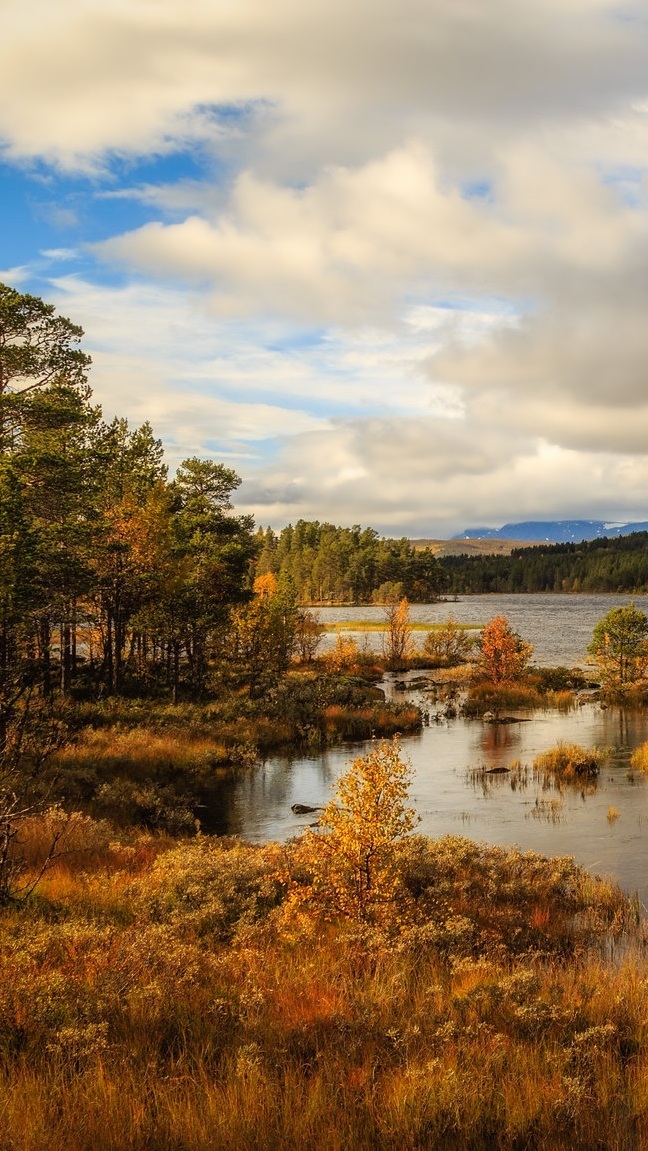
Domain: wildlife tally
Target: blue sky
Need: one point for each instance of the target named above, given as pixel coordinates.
(387, 260)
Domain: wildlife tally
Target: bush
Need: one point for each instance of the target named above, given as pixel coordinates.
(487, 696)
(211, 887)
(569, 762)
(559, 679)
(639, 758)
(448, 645)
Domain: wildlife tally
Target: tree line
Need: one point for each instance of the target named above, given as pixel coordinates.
(602, 565)
(328, 564)
(113, 577)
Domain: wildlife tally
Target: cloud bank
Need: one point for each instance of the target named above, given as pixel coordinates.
(404, 280)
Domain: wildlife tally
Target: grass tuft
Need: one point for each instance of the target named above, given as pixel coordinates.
(569, 763)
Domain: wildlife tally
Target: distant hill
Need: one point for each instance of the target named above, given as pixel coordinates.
(553, 531)
(470, 547)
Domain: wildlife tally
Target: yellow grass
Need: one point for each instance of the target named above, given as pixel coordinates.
(639, 758)
(569, 762)
(381, 626)
(152, 996)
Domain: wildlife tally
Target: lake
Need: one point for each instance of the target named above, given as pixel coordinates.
(559, 626)
(449, 795)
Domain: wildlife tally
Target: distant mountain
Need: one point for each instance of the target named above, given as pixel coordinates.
(554, 531)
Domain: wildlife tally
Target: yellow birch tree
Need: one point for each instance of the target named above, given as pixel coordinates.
(350, 858)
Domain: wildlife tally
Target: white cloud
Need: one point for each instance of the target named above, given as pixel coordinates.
(345, 79)
(417, 295)
(366, 472)
(344, 250)
(155, 357)
(62, 254)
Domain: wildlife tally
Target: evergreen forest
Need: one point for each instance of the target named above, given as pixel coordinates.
(117, 579)
(113, 576)
(601, 565)
(328, 564)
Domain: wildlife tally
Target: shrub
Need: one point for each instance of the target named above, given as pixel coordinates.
(559, 679)
(569, 762)
(211, 886)
(350, 859)
(448, 645)
(504, 655)
(343, 658)
(620, 647)
(639, 758)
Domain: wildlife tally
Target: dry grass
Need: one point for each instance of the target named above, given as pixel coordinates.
(363, 723)
(639, 758)
(529, 694)
(154, 997)
(569, 763)
(142, 748)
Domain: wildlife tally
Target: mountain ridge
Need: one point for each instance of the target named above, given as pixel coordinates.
(554, 531)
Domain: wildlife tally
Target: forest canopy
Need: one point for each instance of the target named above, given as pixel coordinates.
(601, 565)
(328, 564)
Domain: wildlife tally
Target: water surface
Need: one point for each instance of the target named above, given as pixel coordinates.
(559, 626)
(448, 797)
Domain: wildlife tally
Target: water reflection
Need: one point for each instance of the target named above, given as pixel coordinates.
(499, 738)
(453, 791)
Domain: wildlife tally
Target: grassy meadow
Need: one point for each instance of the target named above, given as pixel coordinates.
(175, 994)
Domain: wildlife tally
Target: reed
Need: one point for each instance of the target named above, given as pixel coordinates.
(549, 687)
(569, 763)
(364, 723)
(639, 758)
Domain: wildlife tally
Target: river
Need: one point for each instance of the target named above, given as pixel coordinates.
(449, 791)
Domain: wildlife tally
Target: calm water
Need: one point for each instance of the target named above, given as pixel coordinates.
(445, 793)
(559, 626)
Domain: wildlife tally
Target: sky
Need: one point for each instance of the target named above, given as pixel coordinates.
(387, 259)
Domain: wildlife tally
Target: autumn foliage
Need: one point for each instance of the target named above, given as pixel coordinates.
(350, 858)
(504, 654)
(398, 646)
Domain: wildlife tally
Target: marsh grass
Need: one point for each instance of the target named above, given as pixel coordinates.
(569, 763)
(548, 687)
(153, 996)
(639, 759)
(367, 625)
(549, 810)
(485, 696)
(364, 723)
